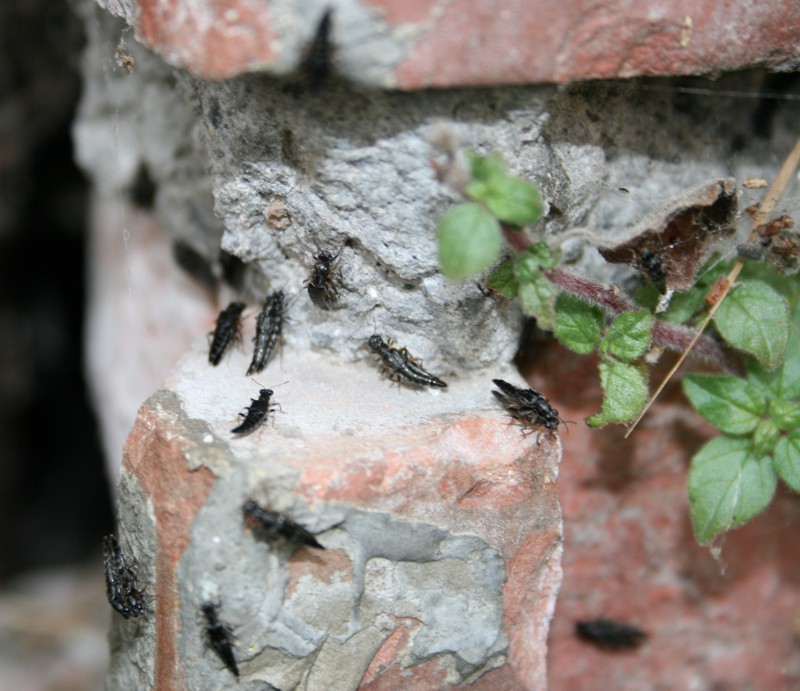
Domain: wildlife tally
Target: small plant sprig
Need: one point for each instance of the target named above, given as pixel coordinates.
(470, 234)
(733, 477)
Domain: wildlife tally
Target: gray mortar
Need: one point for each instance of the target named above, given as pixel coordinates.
(329, 631)
(407, 569)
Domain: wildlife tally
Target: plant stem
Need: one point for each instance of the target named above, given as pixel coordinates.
(609, 298)
(670, 336)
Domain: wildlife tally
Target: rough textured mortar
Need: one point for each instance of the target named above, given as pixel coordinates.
(348, 170)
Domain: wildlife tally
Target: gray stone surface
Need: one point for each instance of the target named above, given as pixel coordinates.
(400, 569)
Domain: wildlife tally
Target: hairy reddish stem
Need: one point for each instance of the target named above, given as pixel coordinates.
(671, 336)
(609, 298)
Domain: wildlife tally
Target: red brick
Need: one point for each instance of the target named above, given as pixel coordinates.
(484, 42)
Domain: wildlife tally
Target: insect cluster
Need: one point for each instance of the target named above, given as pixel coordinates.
(126, 596)
(269, 330)
(122, 588)
(323, 293)
(527, 406)
(269, 327)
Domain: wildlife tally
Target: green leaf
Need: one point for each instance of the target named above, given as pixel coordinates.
(527, 268)
(514, 201)
(787, 376)
(503, 279)
(787, 459)
(734, 405)
(546, 257)
(511, 199)
(683, 306)
(784, 382)
(578, 324)
(728, 486)
(768, 381)
(538, 299)
(628, 337)
(785, 414)
(765, 437)
(486, 168)
(530, 263)
(469, 241)
(647, 296)
(625, 388)
(789, 373)
(755, 319)
(478, 190)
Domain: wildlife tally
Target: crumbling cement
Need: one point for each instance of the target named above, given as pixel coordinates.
(294, 171)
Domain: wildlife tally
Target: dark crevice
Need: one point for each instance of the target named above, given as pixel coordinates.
(54, 498)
